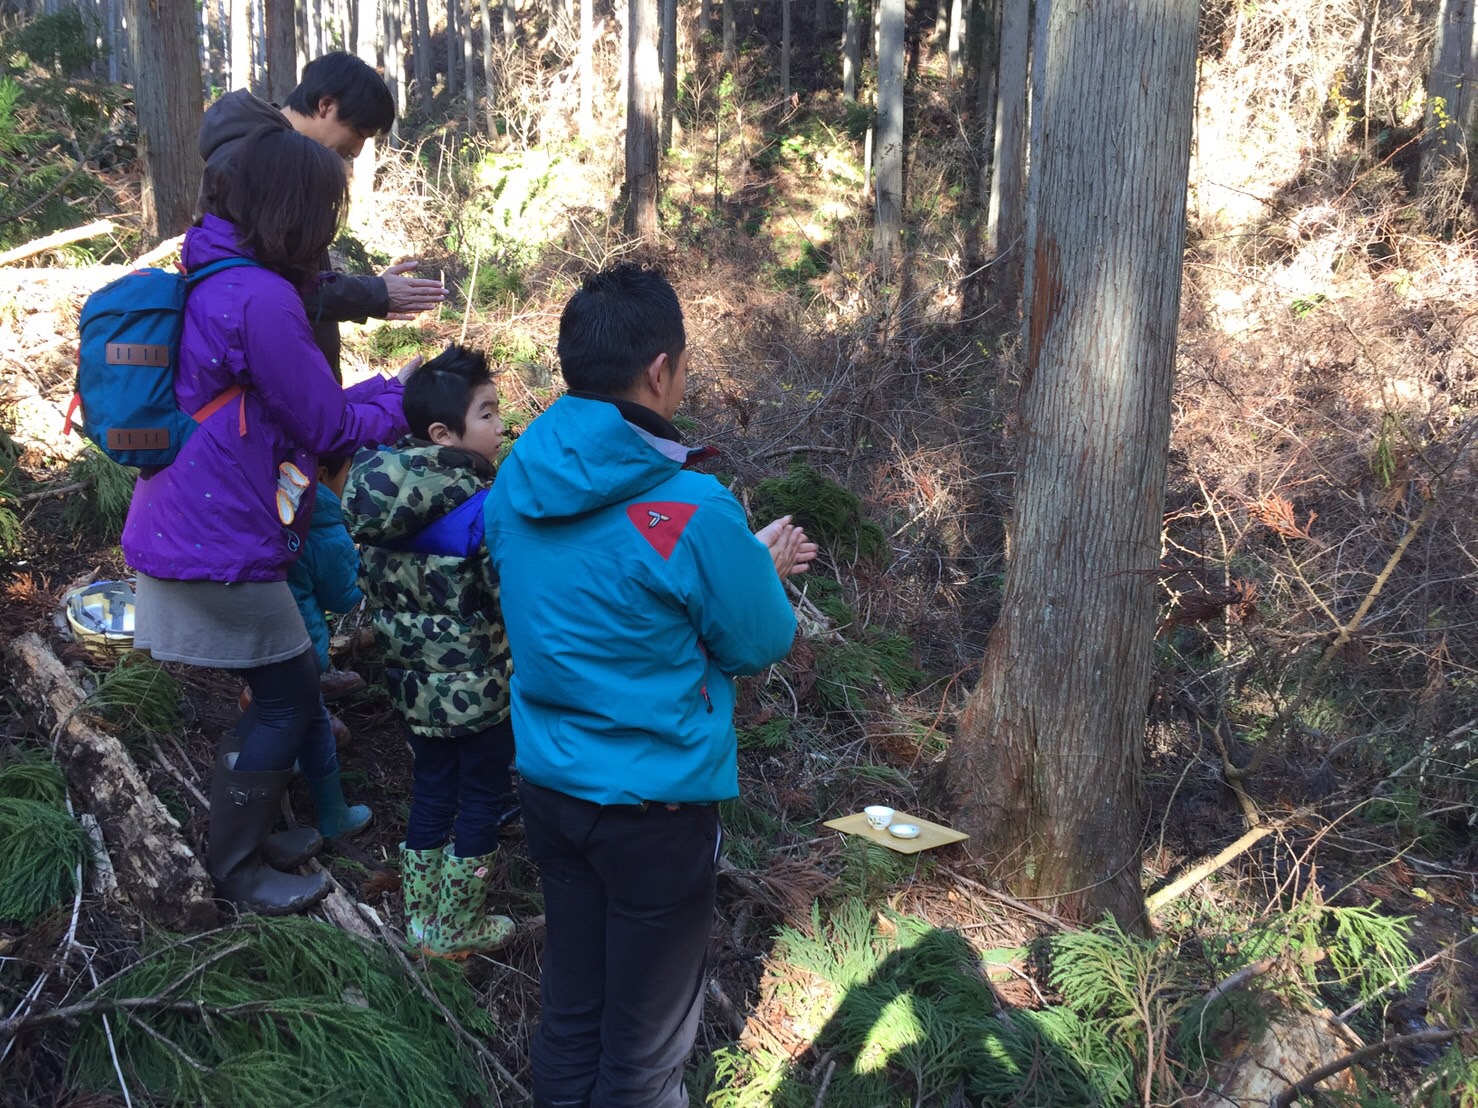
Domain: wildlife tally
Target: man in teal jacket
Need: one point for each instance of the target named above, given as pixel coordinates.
(634, 594)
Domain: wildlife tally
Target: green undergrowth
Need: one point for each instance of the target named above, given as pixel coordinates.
(905, 1012)
(281, 1012)
(831, 514)
(139, 697)
(99, 509)
(40, 843)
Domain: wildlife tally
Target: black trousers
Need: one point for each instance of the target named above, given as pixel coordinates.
(628, 903)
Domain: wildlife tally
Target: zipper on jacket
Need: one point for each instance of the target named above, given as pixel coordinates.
(703, 685)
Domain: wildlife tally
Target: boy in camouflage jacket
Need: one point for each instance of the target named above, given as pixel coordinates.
(417, 512)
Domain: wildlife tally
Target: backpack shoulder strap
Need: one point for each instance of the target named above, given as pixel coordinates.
(215, 267)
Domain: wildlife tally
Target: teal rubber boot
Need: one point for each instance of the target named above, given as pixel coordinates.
(462, 925)
(420, 881)
(335, 817)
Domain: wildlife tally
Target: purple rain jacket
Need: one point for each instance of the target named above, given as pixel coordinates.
(236, 504)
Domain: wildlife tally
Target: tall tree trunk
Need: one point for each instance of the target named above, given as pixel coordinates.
(365, 32)
(490, 105)
(259, 47)
(425, 75)
(453, 48)
(643, 121)
(1451, 97)
(362, 183)
(392, 14)
(510, 21)
(705, 16)
(1046, 768)
(785, 48)
(851, 49)
(959, 14)
(587, 71)
(985, 77)
(669, 69)
(168, 101)
(469, 71)
(731, 35)
(282, 49)
(240, 44)
(1008, 161)
(889, 153)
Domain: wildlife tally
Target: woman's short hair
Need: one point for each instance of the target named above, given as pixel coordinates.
(286, 195)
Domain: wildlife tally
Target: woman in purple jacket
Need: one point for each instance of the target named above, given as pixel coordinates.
(213, 534)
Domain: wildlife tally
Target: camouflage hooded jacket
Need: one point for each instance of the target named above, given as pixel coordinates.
(417, 512)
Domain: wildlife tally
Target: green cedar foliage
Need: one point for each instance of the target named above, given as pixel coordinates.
(831, 514)
(40, 843)
(100, 508)
(282, 1012)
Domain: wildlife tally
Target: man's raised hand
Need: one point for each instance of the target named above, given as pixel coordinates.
(410, 296)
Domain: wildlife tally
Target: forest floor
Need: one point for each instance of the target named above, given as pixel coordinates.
(1320, 408)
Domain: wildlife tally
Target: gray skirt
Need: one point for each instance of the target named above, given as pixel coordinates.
(212, 623)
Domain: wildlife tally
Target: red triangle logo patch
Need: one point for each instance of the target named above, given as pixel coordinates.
(661, 523)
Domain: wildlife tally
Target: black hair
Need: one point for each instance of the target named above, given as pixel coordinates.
(284, 194)
(361, 95)
(441, 390)
(613, 328)
(334, 465)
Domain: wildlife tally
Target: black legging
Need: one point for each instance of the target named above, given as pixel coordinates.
(287, 720)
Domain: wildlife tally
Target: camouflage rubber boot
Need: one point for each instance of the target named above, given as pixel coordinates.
(462, 925)
(420, 881)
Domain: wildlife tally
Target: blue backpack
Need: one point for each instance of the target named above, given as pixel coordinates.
(126, 363)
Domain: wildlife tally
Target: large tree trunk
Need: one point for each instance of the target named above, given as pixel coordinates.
(282, 49)
(156, 869)
(959, 15)
(240, 44)
(851, 49)
(1046, 768)
(1451, 97)
(469, 71)
(587, 70)
(643, 119)
(1007, 218)
(362, 183)
(425, 75)
(168, 98)
(889, 225)
(453, 47)
(669, 70)
(393, 17)
(731, 34)
(785, 48)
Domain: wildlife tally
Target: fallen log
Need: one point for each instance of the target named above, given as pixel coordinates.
(61, 238)
(156, 870)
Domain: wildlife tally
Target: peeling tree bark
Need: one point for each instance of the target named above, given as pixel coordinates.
(156, 870)
(643, 118)
(1046, 770)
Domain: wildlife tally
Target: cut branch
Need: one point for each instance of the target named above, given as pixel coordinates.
(60, 238)
(1158, 900)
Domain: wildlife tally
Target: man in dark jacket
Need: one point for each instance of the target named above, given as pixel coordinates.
(339, 103)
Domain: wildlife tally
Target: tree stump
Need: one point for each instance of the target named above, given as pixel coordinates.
(156, 870)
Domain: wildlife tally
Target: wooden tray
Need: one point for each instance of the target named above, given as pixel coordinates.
(930, 834)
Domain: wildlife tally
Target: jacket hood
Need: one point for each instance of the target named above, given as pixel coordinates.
(232, 118)
(393, 494)
(581, 455)
(210, 240)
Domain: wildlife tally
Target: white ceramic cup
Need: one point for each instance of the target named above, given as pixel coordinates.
(878, 815)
